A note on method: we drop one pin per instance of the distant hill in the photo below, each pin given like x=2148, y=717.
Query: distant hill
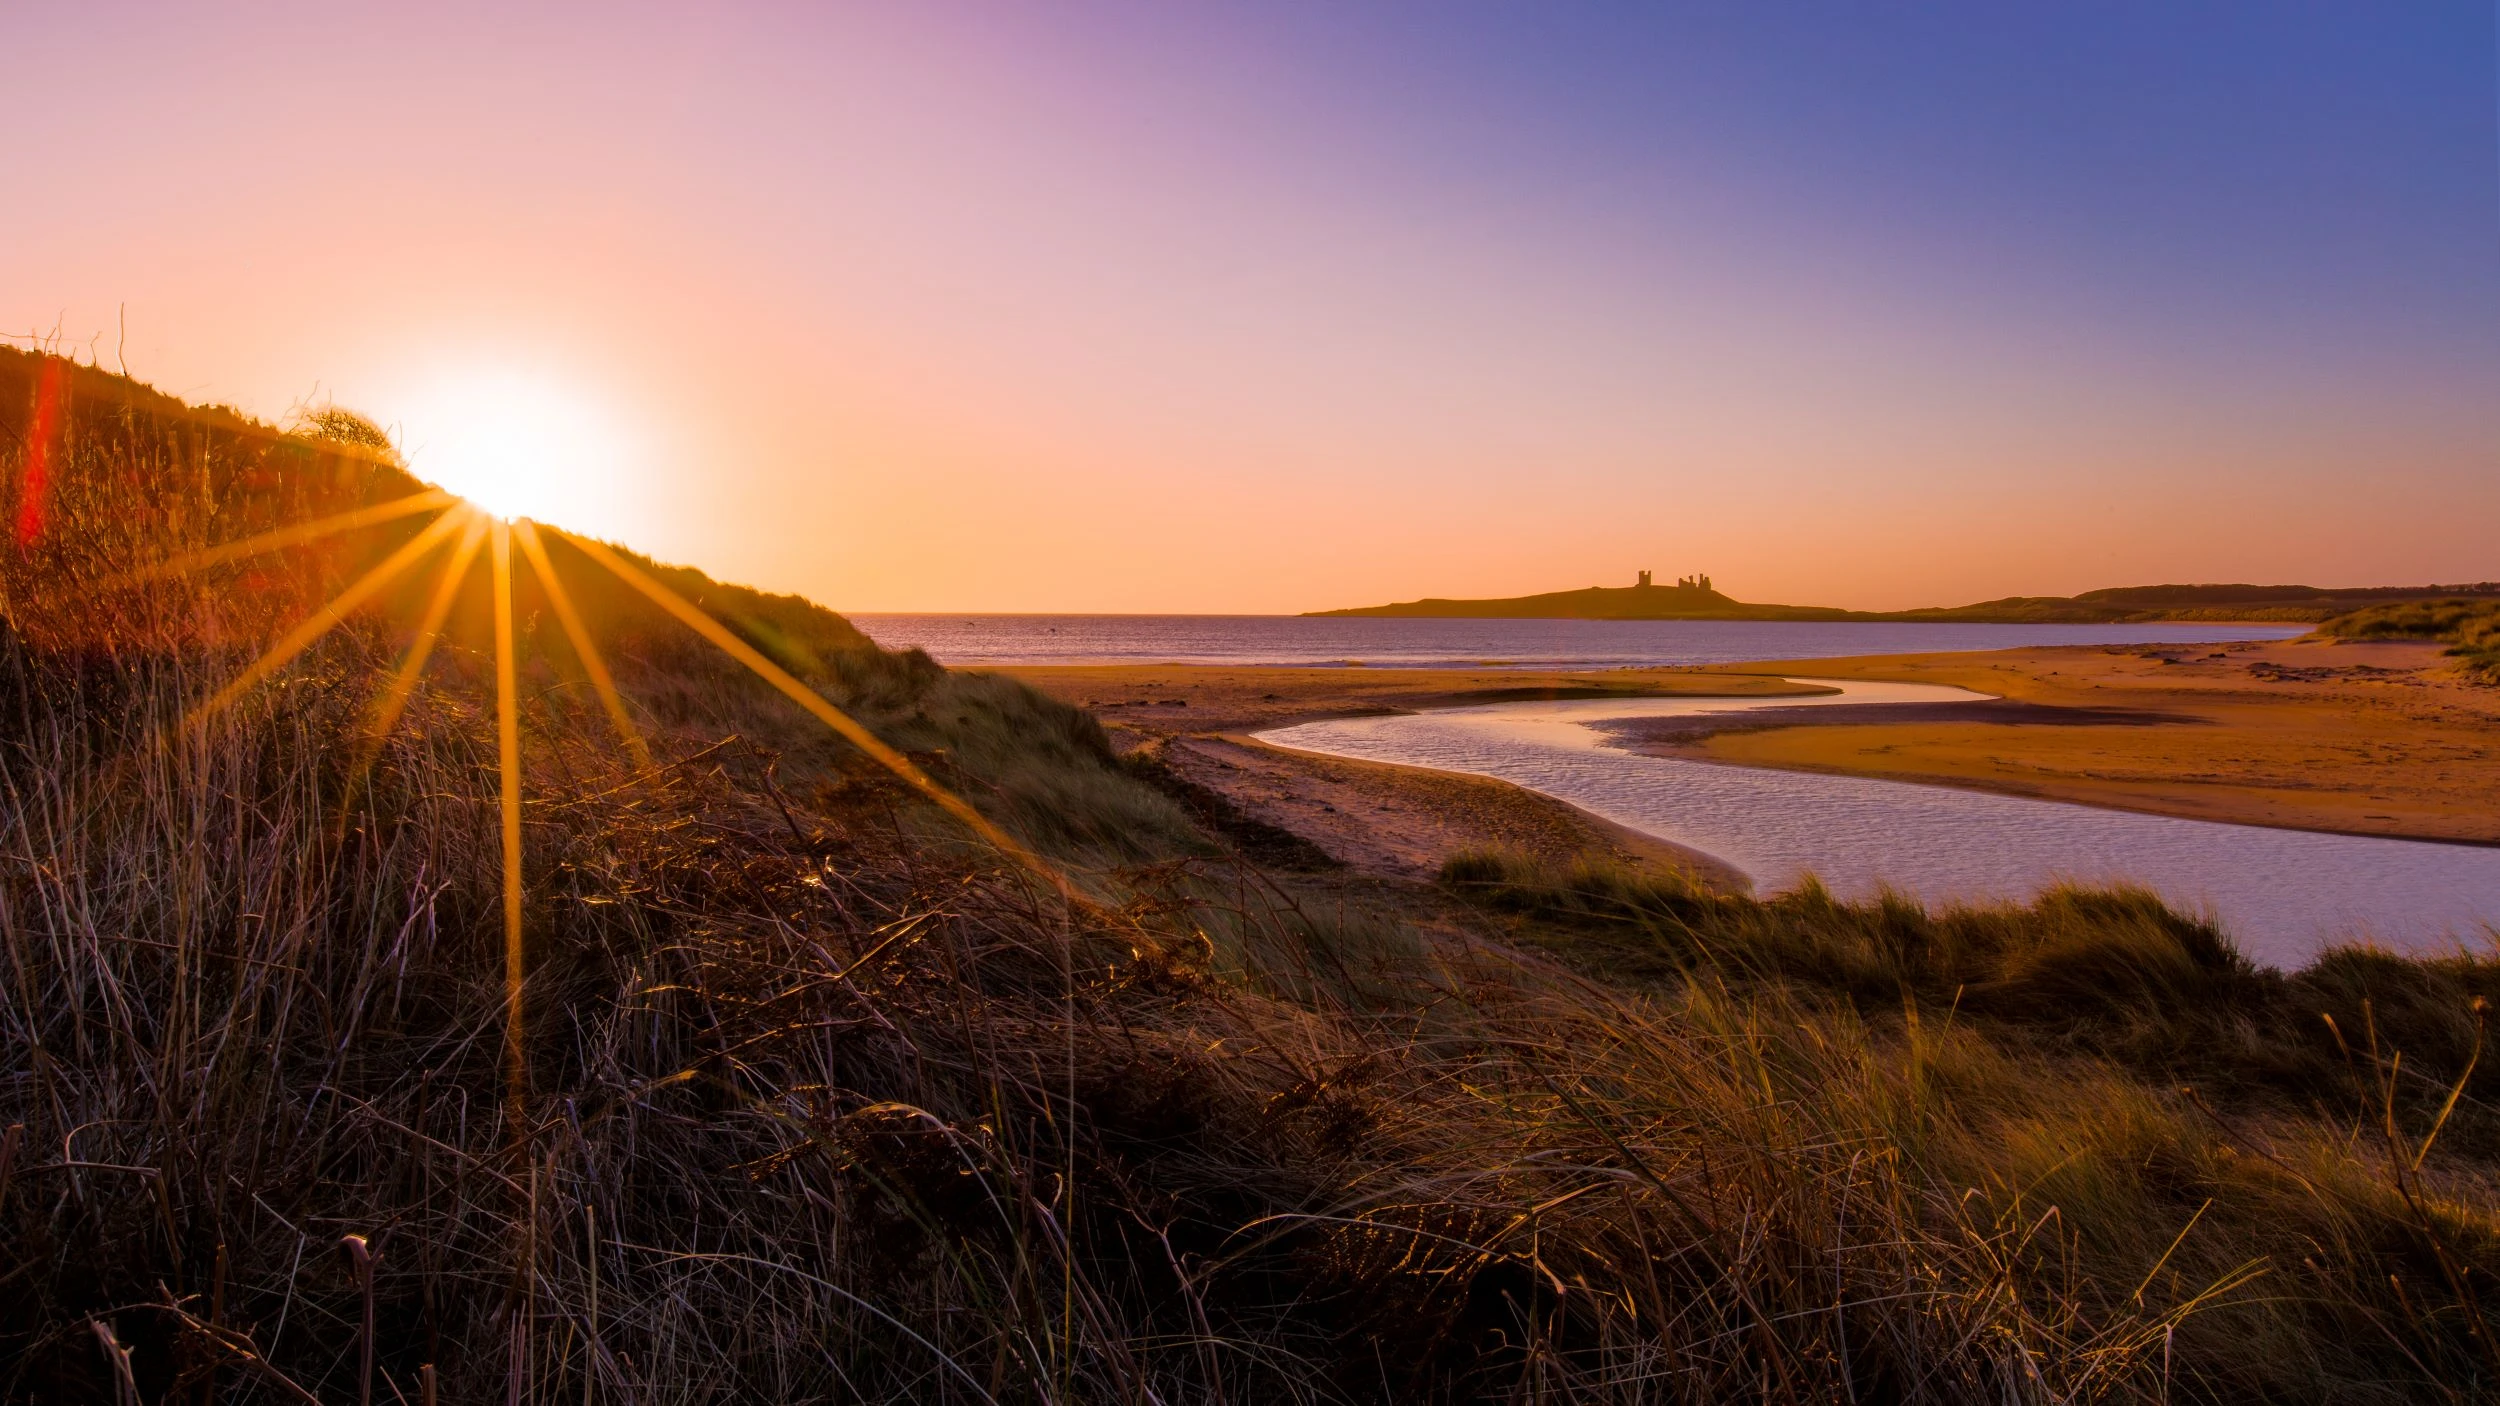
x=2290, y=604
x=1643, y=602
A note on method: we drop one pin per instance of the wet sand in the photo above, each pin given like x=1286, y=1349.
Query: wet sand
x=1667, y=736
x=1164, y=699
x=1386, y=821
x=2376, y=738
x=2368, y=738
x=1403, y=821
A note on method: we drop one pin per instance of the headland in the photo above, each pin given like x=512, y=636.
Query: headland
x=1694, y=598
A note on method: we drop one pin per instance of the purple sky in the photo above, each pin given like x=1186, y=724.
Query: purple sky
x=1110, y=307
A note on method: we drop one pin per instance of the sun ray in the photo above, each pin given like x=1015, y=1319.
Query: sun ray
x=583, y=647
x=297, y=535
x=515, y=1045
x=393, y=699
x=827, y=713
x=508, y=766
x=322, y=621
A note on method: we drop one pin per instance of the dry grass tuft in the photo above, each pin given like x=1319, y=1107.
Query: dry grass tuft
x=2471, y=629
x=826, y=1103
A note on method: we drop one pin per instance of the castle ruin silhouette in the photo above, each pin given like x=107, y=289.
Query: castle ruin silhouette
x=1699, y=582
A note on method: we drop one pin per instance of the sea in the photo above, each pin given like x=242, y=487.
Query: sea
x=977, y=640
x=2281, y=894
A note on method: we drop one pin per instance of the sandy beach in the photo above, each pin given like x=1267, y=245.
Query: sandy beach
x=1390, y=822
x=2376, y=739
x=1162, y=699
x=1402, y=822
x=2368, y=739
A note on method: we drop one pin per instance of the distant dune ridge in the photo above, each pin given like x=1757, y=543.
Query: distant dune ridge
x=1693, y=598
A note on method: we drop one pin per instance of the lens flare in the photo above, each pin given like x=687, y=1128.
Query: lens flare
x=328, y=617
x=294, y=536
x=508, y=769
x=833, y=717
x=497, y=522
x=34, y=484
x=387, y=707
x=584, y=649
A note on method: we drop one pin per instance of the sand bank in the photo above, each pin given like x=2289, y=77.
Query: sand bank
x=2378, y=739
x=1386, y=821
x=2370, y=739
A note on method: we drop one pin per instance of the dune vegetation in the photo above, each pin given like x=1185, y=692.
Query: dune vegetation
x=799, y=1088
x=2470, y=628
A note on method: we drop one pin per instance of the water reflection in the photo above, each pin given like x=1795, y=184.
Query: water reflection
x=2280, y=893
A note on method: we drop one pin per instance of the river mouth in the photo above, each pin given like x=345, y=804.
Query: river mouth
x=2282, y=895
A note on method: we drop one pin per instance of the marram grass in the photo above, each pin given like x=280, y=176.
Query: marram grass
x=826, y=1101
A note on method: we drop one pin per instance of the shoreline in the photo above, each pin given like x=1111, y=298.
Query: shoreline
x=2376, y=740
x=1171, y=699
x=2365, y=740
x=1381, y=820
x=1384, y=820
x=1693, y=750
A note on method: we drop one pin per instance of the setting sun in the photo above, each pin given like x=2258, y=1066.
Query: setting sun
x=519, y=444
x=1119, y=703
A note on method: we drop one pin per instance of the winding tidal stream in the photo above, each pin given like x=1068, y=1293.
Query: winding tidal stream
x=2281, y=894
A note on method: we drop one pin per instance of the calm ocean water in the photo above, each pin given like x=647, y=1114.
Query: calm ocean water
x=1414, y=644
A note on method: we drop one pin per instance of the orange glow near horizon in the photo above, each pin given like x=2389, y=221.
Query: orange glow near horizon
x=944, y=310
x=497, y=532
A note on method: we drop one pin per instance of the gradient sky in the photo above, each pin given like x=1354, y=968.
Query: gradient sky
x=1294, y=305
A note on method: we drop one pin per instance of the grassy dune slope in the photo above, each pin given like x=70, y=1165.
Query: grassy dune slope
x=2470, y=628
x=825, y=1101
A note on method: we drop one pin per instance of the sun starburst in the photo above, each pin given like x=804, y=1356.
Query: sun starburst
x=300, y=534
x=333, y=614
x=473, y=530
x=384, y=713
x=584, y=648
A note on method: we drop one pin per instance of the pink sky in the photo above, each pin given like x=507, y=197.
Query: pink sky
x=980, y=313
